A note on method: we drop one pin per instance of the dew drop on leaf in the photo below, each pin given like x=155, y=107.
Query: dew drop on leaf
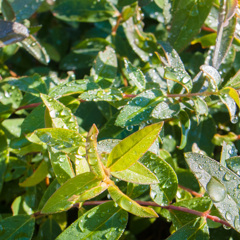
x=234, y=119
x=228, y=216
x=80, y=224
x=45, y=137
x=216, y=190
x=227, y=177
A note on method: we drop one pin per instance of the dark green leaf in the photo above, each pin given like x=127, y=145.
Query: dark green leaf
x=84, y=11
x=3, y=157
x=17, y=227
x=187, y=19
x=61, y=199
x=163, y=192
x=102, y=222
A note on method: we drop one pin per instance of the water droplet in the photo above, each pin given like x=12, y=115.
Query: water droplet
x=45, y=137
x=81, y=225
x=228, y=216
x=91, y=214
x=153, y=194
x=231, y=151
x=200, y=166
x=236, y=223
x=115, y=204
x=129, y=128
x=226, y=227
x=216, y=190
x=227, y=177
x=234, y=119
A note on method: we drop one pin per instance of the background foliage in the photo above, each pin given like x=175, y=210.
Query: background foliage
x=119, y=119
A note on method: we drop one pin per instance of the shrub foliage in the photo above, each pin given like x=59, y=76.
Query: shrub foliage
x=119, y=119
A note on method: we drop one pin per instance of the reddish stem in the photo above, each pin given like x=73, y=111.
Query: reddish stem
x=33, y=105
x=191, y=191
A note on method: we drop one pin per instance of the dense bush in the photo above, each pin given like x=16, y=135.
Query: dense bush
x=119, y=119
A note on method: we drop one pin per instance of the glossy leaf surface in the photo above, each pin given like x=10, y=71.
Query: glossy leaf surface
x=101, y=222
x=61, y=199
x=220, y=183
x=129, y=205
x=129, y=150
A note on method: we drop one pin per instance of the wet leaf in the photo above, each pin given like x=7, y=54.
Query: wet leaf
x=101, y=222
x=58, y=138
x=231, y=106
x=105, y=66
x=32, y=46
x=17, y=227
x=93, y=157
x=166, y=109
x=185, y=127
x=33, y=84
x=134, y=75
x=232, y=93
x=129, y=150
x=213, y=77
x=107, y=94
x=24, y=9
x=39, y=175
x=196, y=229
x=84, y=11
x=137, y=173
x=233, y=163
x=73, y=87
x=60, y=115
x=163, y=192
x=61, y=199
x=129, y=205
x=61, y=164
x=187, y=19
x=139, y=108
x=221, y=184
x=175, y=72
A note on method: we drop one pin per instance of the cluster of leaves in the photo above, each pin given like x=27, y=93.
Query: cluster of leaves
x=110, y=111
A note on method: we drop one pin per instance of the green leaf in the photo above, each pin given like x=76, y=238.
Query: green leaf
x=84, y=11
x=101, y=222
x=32, y=46
x=213, y=77
x=163, y=192
x=201, y=107
x=139, y=108
x=73, y=87
x=33, y=84
x=180, y=218
x=221, y=184
x=233, y=164
x=38, y=175
x=60, y=115
x=60, y=139
x=187, y=19
x=137, y=173
x=61, y=199
x=129, y=150
x=105, y=66
x=234, y=81
x=232, y=93
x=61, y=164
x=17, y=227
x=4, y=155
x=134, y=75
x=92, y=153
x=185, y=127
x=48, y=193
x=91, y=193
x=231, y=106
x=129, y=205
x=24, y=9
x=223, y=45
x=49, y=230
x=196, y=229
x=206, y=41
x=34, y=120
x=228, y=150
x=107, y=94
x=175, y=72
x=166, y=109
